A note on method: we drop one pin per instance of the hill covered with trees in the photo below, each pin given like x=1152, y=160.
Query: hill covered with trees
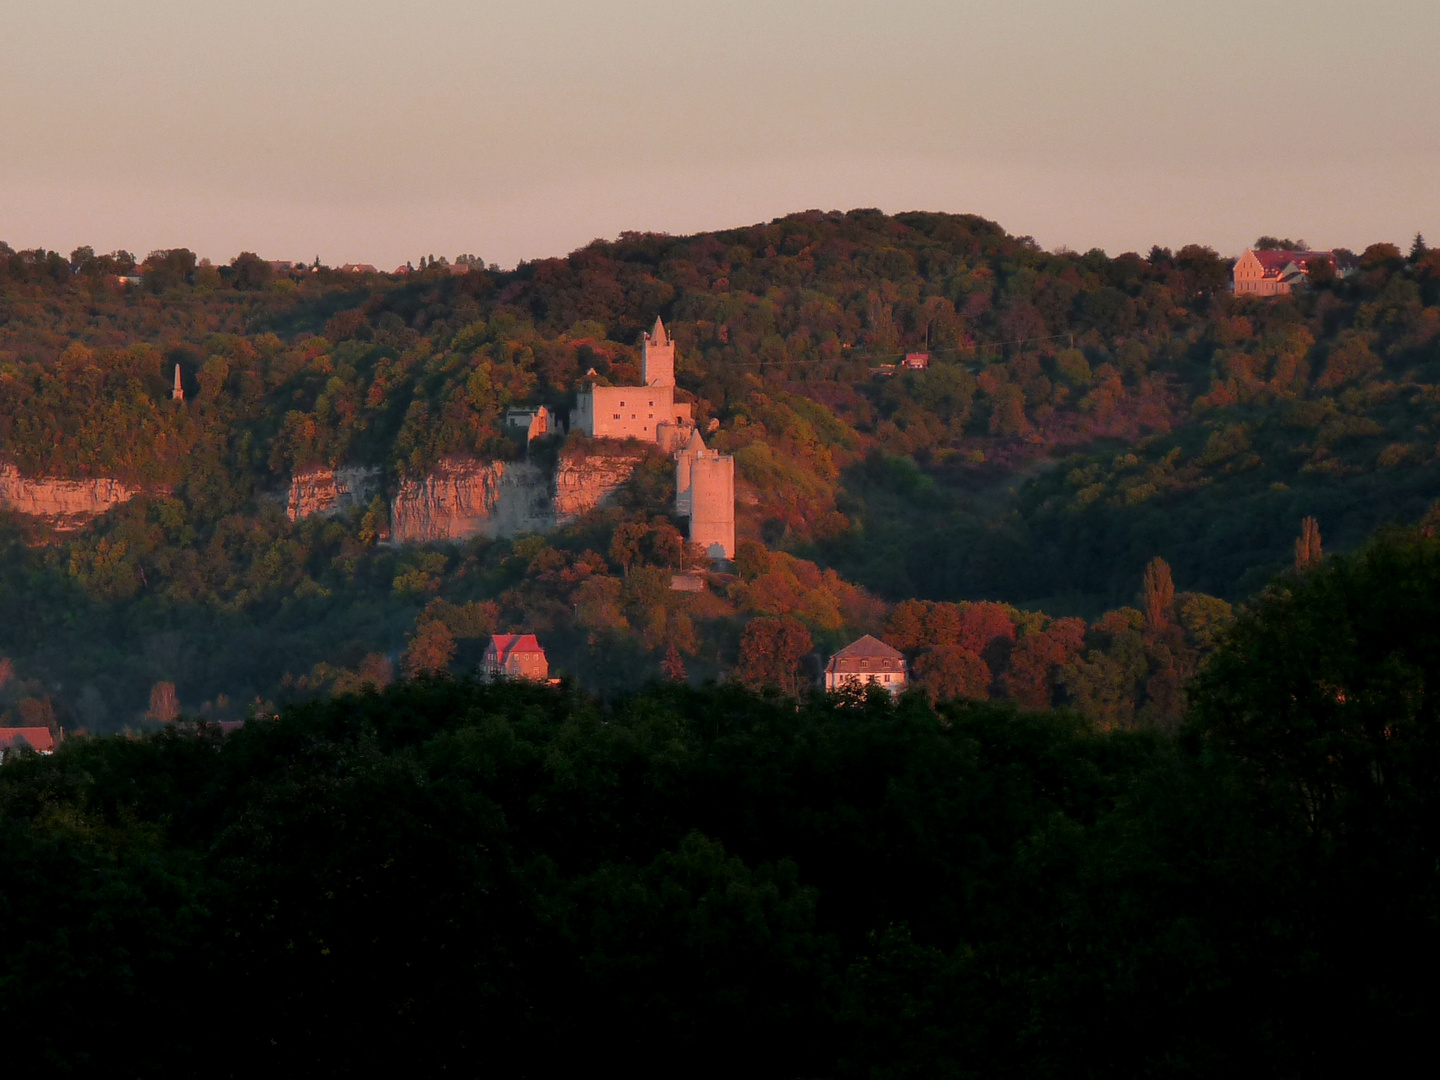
x=537, y=879
x=1080, y=416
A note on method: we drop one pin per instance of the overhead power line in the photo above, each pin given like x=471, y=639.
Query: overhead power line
x=867, y=355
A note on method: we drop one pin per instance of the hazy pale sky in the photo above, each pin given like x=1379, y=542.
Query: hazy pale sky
x=379, y=131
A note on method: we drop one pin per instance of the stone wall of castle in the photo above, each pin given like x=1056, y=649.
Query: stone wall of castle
x=628, y=412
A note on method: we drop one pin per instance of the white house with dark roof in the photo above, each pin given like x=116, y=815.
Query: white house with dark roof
x=868, y=661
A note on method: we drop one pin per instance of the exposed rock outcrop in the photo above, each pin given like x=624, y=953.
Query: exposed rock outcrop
x=325, y=491
x=462, y=498
x=64, y=505
x=584, y=481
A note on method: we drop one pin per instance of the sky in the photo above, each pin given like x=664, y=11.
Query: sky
x=378, y=131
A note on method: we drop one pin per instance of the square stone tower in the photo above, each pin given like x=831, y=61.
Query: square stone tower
x=657, y=357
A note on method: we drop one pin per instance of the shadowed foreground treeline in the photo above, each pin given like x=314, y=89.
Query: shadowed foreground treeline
x=516, y=879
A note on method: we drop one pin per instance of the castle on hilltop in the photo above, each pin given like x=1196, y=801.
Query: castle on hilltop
x=637, y=412
x=704, y=478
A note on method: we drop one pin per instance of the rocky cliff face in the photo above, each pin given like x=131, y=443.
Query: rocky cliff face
x=326, y=491
x=583, y=482
x=64, y=505
x=462, y=498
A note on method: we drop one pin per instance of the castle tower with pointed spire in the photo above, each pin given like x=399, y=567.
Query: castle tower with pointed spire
x=704, y=478
x=648, y=412
x=177, y=394
x=657, y=357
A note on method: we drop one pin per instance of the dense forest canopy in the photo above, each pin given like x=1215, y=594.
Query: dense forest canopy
x=535, y=879
x=1080, y=416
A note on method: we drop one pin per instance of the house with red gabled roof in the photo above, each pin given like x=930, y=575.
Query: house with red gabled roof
x=866, y=662
x=514, y=656
x=1276, y=273
x=14, y=739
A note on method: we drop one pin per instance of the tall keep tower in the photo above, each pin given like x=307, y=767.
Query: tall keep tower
x=705, y=493
x=657, y=357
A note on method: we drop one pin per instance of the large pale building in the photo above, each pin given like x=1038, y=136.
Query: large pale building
x=867, y=662
x=704, y=478
x=636, y=412
x=1275, y=273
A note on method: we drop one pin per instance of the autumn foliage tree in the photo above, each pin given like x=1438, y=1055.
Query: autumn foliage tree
x=673, y=665
x=1307, y=545
x=431, y=649
x=164, y=704
x=952, y=671
x=771, y=650
x=1158, y=594
x=1037, y=657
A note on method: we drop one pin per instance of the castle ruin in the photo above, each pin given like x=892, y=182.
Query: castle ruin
x=704, y=478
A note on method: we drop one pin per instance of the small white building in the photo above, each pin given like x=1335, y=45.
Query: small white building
x=868, y=661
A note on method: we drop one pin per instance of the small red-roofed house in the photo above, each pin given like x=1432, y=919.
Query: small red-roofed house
x=514, y=656
x=1276, y=273
x=866, y=662
x=916, y=361
x=13, y=739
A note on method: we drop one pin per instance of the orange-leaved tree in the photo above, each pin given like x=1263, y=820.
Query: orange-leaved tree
x=1159, y=594
x=431, y=649
x=1307, y=545
x=952, y=671
x=164, y=704
x=771, y=649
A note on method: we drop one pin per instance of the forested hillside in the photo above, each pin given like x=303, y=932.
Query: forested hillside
x=1080, y=417
x=722, y=882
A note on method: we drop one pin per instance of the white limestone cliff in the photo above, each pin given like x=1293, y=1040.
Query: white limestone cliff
x=64, y=505
x=462, y=498
x=322, y=490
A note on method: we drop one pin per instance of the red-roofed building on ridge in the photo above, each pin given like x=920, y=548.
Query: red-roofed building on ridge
x=13, y=739
x=866, y=662
x=1276, y=273
x=514, y=656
